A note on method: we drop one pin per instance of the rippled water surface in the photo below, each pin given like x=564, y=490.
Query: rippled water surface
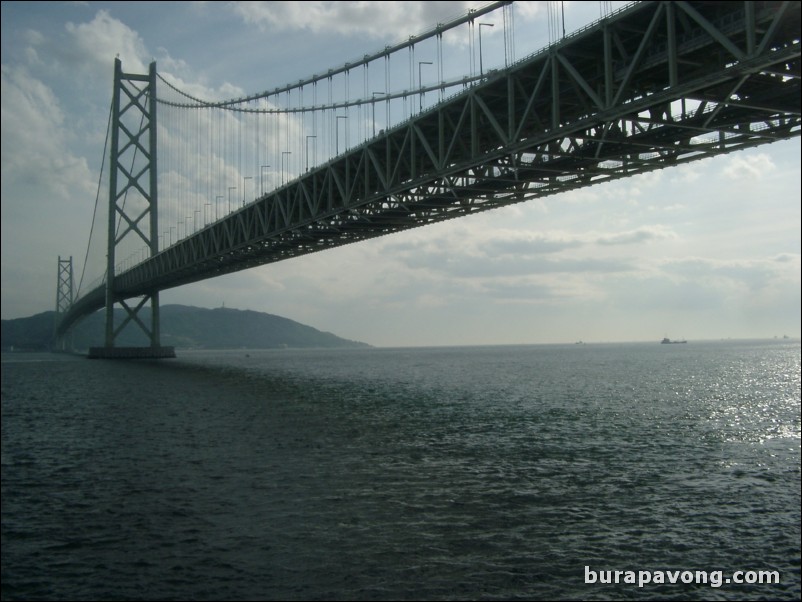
x=439, y=473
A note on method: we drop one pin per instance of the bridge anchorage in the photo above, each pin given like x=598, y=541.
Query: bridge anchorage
x=655, y=85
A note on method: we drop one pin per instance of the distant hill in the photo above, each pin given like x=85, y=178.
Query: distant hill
x=182, y=326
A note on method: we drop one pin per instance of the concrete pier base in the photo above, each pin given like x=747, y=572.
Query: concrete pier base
x=130, y=353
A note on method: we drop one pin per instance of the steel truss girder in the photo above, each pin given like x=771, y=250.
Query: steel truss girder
x=660, y=84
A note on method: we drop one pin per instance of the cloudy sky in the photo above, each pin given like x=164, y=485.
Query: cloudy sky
x=708, y=250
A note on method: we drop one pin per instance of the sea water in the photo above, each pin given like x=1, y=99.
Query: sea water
x=532, y=472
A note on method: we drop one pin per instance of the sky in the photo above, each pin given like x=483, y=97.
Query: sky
x=707, y=250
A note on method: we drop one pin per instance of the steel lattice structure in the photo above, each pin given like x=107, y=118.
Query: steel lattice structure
x=657, y=85
x=65, y=289
x=133, y=196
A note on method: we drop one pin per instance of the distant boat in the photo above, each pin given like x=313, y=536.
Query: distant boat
x=667, y=341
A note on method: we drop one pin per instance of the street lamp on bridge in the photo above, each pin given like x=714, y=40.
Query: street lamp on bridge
x=216, y=205
x=373, y=106
x=481, y=67
x=262, y=178
x=243, y=188
x=420, y=80
x=337, y=133
x=230, y=188
x=307, y=151
x=282, y=164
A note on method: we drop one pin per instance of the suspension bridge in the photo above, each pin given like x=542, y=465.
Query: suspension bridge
x=415, y=134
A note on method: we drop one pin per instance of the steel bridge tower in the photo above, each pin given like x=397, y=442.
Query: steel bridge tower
x=65, y=290
x=133, y=205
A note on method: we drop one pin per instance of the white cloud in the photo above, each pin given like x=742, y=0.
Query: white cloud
x=34, y=37
x=757, y=166
x=35, y=146
x=94, y=45
x=640, y=235
x=375, y=20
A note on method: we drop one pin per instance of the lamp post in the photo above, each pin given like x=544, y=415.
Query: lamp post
x=307, y=151
x=337, y=133
x=206, y=218
x=230, y=188
x=373, y=106
x=420, y=81
x=216, y=205
x=243, y=188
x=195, y=220
x=282, y=164
x=262, y=177
x=481, y=67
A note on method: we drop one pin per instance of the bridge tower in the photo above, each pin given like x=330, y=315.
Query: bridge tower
x=133, y=205
x=64, y=295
